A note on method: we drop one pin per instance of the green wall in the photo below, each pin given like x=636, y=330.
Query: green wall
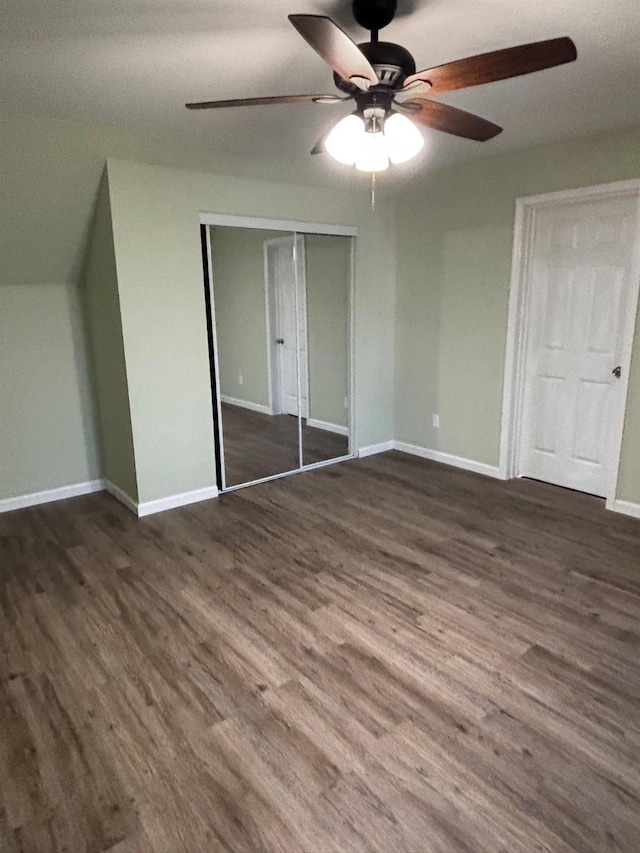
x=49, y=174
x=155, y=214
x=47, y=430
x=454, y=244
x=102, y=307
x=328, y=269
x=237, y=260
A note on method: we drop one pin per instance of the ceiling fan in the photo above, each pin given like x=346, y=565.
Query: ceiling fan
x=381, y=78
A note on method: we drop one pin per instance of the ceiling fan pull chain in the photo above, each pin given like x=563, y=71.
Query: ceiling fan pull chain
x=373, y=174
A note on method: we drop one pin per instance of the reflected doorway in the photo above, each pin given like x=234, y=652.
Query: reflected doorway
x=287, y=320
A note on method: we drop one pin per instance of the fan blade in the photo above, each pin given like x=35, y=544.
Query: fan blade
x=276, y=99
x=498, y=65
x=452, y=120
x=335, y=47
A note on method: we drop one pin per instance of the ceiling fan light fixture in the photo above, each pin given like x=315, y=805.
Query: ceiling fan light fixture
x=345, y=140
x=372, y=154
x=371, y=142
x=379, y=75
x=403, y=138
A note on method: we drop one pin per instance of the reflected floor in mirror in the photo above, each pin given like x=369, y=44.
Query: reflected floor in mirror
x=258, y=445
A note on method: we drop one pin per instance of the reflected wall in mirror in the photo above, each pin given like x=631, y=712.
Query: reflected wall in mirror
x=327, y=272
x=256, y=352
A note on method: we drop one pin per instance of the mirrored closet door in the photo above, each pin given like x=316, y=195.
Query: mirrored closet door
x=279, y=318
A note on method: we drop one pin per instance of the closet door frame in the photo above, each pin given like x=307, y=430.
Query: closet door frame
x=297, y=228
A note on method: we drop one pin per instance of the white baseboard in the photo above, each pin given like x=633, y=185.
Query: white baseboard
x=327, y=427
x=123, y=497
x=372, y=449
x=162, y=504
x=174, y=501
x=246, y=404
x=59, y=494
x=449, y=459
x=624, y=507
x=77, y=489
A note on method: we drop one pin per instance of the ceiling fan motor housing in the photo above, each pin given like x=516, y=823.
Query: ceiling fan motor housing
x=391, y=62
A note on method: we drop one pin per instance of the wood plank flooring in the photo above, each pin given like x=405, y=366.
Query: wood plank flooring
x=258, y=445
x=383, y=655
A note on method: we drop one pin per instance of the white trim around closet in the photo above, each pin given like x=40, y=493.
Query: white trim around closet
x=261, y=224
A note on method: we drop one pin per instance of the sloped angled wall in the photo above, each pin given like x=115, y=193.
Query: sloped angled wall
x=102, y=302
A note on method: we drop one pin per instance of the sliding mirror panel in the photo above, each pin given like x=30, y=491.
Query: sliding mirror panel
x=325, y=380
x=255, y=305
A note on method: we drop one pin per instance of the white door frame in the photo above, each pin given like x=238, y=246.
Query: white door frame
x=518, y=322
x=274, y=362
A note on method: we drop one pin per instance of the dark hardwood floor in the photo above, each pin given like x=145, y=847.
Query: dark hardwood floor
x=258, y=445
x=383, y=655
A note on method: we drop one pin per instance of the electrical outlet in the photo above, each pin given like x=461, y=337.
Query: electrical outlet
x=240, y=380
x=435, y=421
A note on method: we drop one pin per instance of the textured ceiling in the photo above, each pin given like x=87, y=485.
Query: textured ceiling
x=134, y=63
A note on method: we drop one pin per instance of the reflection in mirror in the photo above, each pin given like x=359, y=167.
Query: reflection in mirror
x=327, y=273
x=254, y=301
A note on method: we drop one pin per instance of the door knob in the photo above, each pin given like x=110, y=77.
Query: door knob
x=617, y=371
x=279, y=340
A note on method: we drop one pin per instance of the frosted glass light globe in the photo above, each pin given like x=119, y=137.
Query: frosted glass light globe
x=345, y=140
x=373, y=155
x=404, y=140
x=349, y=142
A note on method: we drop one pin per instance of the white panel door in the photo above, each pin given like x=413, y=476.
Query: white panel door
x=292, y=346
x=580, y=295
